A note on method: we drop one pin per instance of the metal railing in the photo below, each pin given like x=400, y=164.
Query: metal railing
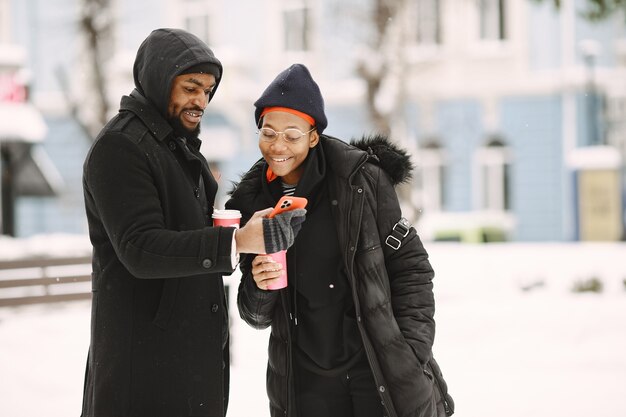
x=44, y=280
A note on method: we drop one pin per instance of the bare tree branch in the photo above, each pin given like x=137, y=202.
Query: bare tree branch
x=373, y=67
x=89, y=107
x=72, y=105
x=96, y=25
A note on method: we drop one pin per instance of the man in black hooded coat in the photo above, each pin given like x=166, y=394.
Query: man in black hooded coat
x=159, y=330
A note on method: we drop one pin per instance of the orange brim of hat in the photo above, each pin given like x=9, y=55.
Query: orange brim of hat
x=300, y=114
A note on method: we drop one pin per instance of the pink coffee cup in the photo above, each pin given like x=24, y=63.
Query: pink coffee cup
x=226, y=218
x=281, y=281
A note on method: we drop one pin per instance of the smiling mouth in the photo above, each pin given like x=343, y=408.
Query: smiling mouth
x=193, y=113
x=281, y=159
x=192, y=117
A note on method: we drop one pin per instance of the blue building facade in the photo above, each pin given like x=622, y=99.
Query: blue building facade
x=491, y=117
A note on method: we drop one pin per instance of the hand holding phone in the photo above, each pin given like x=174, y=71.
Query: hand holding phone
x=288, y=202
x=283, y=223
x=287, y=228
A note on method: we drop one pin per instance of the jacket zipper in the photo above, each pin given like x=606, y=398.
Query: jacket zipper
x=387, y=403
x=286, y=304
x=431, y=373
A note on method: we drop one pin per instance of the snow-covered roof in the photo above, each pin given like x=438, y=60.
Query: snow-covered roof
x=595, y=157
x=37, y=175
x=12, y=55
x=22, y=129
x=21, y=122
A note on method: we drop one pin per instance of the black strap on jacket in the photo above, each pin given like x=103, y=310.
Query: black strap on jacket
x=399, y=231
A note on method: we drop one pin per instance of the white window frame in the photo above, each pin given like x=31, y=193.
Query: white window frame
x=424, y=10
x=497, y=26
x=4, y=21
x=194, y=11
x=432, y=166
x=495, y=46
x=616, y=119
x=490, y=182
x=304, y=32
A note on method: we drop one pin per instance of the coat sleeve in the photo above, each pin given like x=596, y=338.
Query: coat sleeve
x=123, y=200
x=256, y=306
x=410, y=275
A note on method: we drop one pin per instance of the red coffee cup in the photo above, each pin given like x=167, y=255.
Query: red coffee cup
x=226, y=218
x=281, y=281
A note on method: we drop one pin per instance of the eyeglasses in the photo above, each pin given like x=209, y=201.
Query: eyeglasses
x=291, y=135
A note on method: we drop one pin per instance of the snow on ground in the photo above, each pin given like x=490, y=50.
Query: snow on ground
x=505, y=351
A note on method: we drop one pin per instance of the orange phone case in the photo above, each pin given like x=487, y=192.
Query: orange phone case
x=288, y=202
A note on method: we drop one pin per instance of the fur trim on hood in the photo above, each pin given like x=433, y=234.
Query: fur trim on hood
x=391, y=158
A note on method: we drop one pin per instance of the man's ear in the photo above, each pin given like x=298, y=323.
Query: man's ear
x=315, y=138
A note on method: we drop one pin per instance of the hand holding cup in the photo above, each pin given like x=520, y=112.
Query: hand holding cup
x=269, y=271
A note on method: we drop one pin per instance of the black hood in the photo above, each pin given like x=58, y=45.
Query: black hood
x=165, y=54
x=391, y=158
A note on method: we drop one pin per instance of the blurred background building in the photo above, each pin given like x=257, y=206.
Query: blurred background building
x=25, y=168
x=514, y=110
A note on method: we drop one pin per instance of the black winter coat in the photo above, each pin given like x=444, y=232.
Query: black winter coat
x=159, y=321
x=391, y=289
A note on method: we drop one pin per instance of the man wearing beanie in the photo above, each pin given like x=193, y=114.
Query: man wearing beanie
x=352, y=333
x=159, y=324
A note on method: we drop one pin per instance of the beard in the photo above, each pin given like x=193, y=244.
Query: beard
x=181, y=130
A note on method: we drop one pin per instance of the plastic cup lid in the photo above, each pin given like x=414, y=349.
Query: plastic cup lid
x=226, y=214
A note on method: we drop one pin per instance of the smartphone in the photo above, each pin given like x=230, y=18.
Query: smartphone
x=288, y=202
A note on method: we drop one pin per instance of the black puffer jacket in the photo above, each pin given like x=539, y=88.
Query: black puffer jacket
x=391, y=289
x=158, y=327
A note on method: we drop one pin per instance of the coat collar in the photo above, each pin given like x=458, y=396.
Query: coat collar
x=144, y=110
x=341, y=156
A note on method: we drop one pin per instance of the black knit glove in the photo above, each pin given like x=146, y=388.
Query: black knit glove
x=280, y=231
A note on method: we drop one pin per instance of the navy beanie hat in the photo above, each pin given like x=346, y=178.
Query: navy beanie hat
x=294, y=88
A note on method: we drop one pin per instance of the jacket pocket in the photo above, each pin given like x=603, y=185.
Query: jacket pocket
x=429, y=408
x=367, y=250
x=444, y=401
x=166, y=304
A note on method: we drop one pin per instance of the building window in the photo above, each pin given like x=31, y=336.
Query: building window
x=4, y=21
x=615, y=118
x=432, y=179
x=196, y=19
x=493, y=176
x=199, y=26
x=427, y=22
x=297, y=26
x=492, y=22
